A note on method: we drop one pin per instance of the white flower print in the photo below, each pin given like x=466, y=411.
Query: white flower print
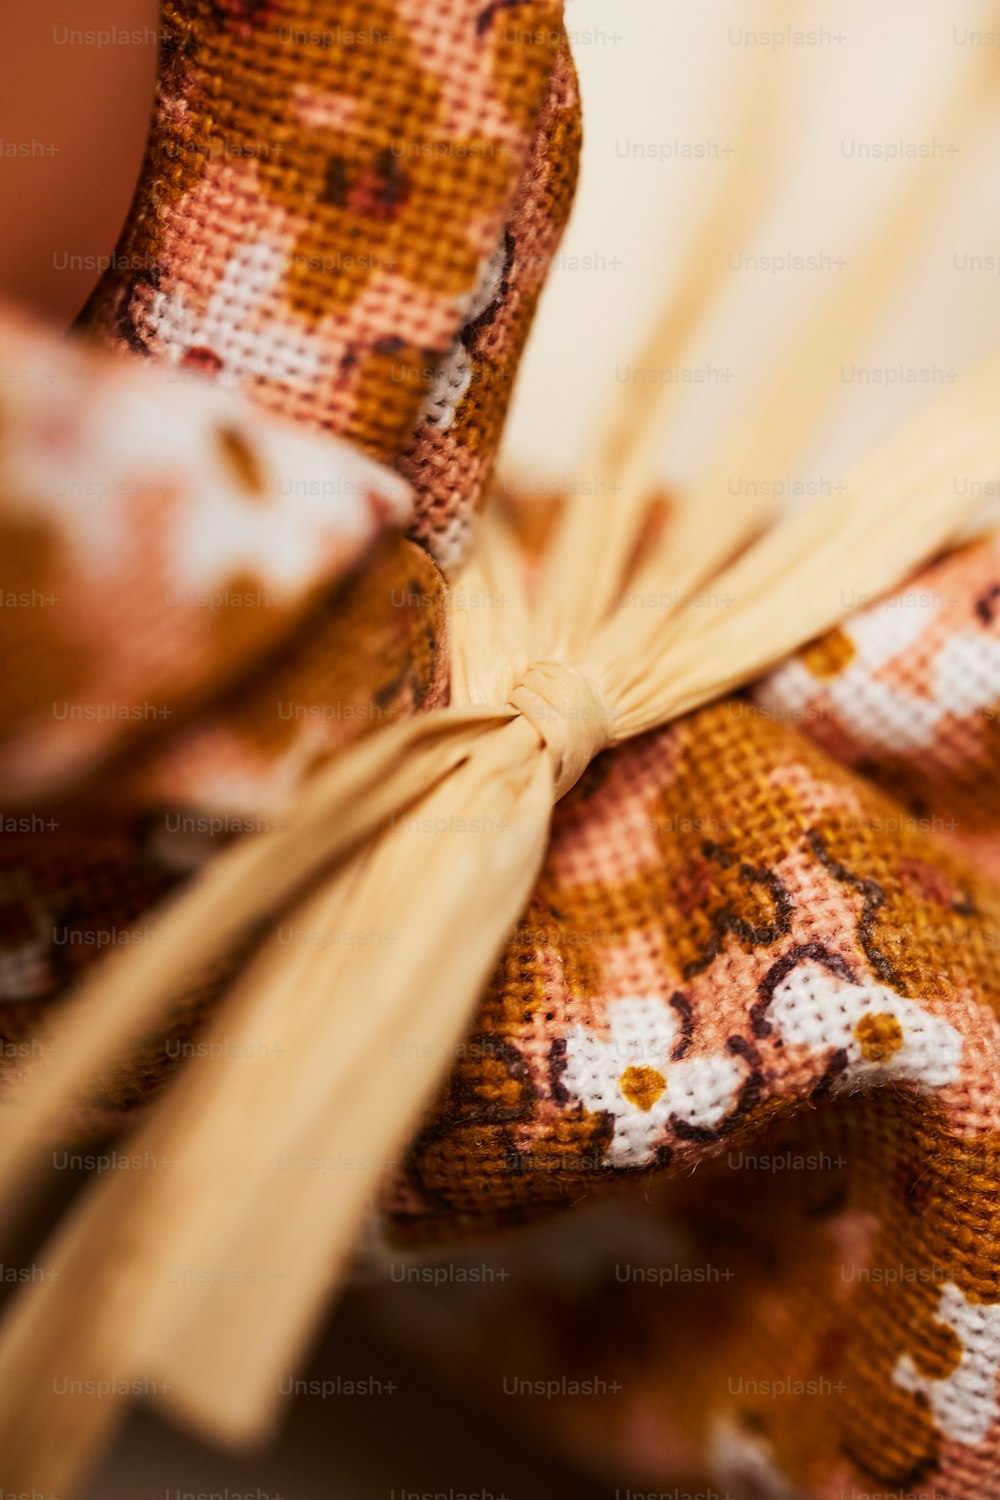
x=454, y=374
x=250, y=347
x=882, y=1034
x=964, y=1403
x=963, y=680
x=631, y=1074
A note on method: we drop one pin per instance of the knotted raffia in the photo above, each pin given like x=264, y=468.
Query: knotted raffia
x=573, y=721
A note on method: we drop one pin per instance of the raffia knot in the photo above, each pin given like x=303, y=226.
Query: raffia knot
x=570, y=715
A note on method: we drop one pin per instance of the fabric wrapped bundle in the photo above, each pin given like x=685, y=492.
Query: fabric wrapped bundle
x=506, y=859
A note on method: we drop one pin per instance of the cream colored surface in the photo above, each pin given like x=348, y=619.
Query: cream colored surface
x=669, y=78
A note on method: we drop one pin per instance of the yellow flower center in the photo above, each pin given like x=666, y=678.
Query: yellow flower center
x=878, y=1037
x=642, y=1086
x=830, y=655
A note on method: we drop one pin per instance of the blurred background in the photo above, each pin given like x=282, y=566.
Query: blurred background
x=856, y=102
x=76, y=95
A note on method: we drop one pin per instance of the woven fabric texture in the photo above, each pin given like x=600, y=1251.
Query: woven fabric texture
x=158, y=540
x=906, y=693
x=324, y=194
x=769, y=991
x=324, y=191
x=450, y=461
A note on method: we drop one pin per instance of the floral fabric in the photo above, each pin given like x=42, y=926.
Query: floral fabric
x=751, y=1013
x=767, y=992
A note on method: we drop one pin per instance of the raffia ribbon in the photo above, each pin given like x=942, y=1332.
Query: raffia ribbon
x=361, y=852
